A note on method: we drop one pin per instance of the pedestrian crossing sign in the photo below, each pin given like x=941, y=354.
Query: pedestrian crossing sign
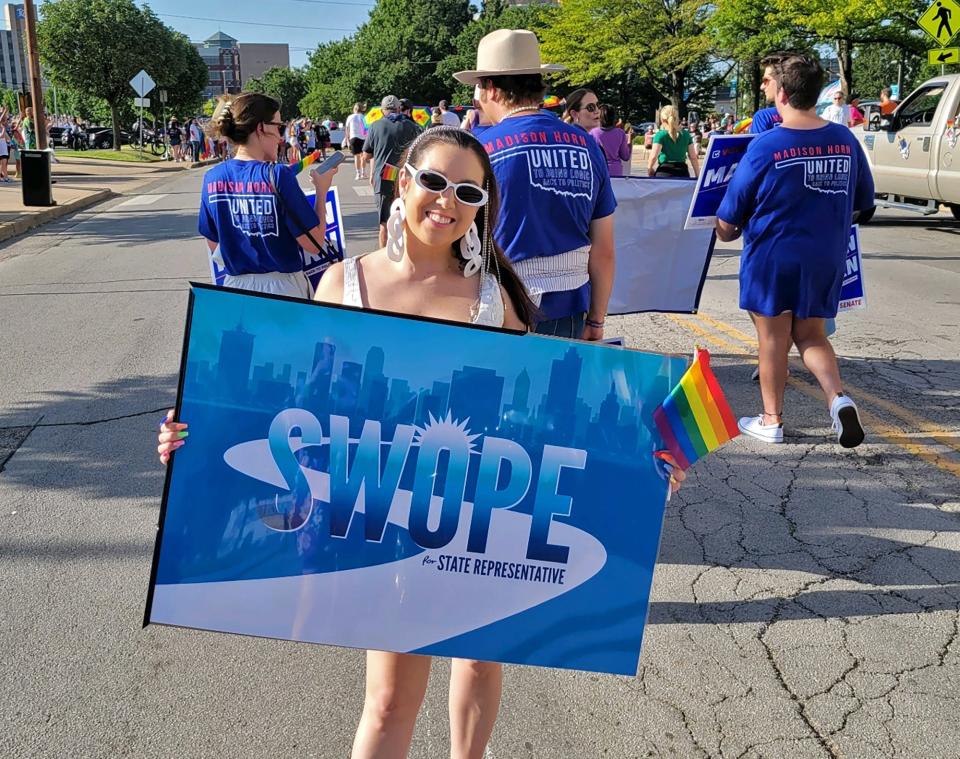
x=941, y=20
x=942, y=55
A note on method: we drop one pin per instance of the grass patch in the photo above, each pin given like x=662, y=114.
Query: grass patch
x=112, y=155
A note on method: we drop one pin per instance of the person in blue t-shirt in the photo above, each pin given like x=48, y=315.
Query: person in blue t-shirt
x=253, y=210
x=793, y=197
x=764, y=120
x=557, y=203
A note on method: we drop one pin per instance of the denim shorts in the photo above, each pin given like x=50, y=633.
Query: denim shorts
x=569, y=326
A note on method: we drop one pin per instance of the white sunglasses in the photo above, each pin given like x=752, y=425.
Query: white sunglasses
x=433, y=181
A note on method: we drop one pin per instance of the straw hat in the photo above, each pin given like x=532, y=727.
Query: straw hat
x=507, y=52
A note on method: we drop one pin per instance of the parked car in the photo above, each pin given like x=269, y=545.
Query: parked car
x=101, y=138
x=913, y=152
x=59, y=137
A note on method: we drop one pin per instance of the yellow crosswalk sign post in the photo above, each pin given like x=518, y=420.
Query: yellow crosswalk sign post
x=943, y=55
x=941, y=20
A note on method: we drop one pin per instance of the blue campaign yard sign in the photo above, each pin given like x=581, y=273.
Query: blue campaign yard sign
x=723, y=155
x=852, y=293
x=314, y=265
x=375, y=481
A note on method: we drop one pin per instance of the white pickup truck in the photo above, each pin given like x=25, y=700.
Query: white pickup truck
x=913, y=152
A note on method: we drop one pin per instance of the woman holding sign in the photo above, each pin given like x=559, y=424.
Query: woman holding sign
x=440, y=262
x=793, y=197
x=253, y=214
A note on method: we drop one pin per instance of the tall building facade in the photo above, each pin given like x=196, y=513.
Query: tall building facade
x=230, y=64
x=257, y=57
x=13, y=49
x=221, y=53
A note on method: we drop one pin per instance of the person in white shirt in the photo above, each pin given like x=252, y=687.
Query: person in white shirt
x=449, y=117
x=838, y=112
x=354, y=132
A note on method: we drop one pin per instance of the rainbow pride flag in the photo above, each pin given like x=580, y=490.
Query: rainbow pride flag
x=300, y=165
x=695, y=418
x=743, y=126
x=390, y=173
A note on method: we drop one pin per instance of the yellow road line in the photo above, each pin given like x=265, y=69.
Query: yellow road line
x=943, y=436
x=893, y=435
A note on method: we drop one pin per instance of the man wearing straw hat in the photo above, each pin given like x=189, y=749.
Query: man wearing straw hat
x=556, y=202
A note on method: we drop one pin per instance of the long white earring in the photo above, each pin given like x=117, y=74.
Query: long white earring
x=395, y=230
x=470, y=249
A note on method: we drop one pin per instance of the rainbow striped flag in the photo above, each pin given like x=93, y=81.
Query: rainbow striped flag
x=300, y=165
x=390, y=173
x=695, y=418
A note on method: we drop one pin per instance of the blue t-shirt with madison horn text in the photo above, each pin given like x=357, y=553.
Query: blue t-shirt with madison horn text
x=239, y=210
x=553, y=182
x=764, y=120
x=794, y=194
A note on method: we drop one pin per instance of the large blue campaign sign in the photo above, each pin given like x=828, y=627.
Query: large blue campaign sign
x=723, y=154
x=375, y=481
x=314, y=265
x=852, y=294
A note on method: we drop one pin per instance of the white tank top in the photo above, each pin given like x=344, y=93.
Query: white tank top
x=489, y=310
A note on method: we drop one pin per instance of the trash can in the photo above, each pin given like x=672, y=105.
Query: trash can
x=35, y=174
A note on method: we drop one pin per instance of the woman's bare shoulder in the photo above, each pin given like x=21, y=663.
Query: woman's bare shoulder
x=330, y=289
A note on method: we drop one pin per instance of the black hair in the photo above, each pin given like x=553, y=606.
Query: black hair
x=236, y=117
x=608, y=116
x=487, y=215
x=523, y=88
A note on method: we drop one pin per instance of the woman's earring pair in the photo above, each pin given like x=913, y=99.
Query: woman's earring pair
x=470, y=245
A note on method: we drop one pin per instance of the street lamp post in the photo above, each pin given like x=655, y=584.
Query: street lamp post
x=33, y=66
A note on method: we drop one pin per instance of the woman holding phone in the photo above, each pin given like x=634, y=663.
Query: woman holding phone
x=253, y=214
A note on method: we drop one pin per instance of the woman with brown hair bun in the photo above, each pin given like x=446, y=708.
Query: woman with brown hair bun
x=253, y=209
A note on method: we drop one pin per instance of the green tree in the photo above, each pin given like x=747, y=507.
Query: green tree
x=184, y=76
x=879, y=66
x=494, y=16
x=95, y=47
x=396, y=52
x=333, y=81
x=746, y=31
x=847, y=24
x=665, y=41
x=289, y=86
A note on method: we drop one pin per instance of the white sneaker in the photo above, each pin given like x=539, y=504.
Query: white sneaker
x=357, y=176
x=754, y=427
x=846, y=422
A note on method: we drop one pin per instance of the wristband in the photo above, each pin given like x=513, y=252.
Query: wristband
x=592, y=323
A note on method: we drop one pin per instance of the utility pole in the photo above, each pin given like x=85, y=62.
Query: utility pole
x=36, y=83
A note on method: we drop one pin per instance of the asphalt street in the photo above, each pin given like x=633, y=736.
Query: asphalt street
x=805, y=602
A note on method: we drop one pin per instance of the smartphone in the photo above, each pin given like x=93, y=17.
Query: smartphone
x=335, y=160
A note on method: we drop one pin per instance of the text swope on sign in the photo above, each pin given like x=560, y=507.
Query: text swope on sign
x=379, y=480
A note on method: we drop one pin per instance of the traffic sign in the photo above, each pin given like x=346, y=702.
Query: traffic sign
x=941, y=20
x=943, y=55
x=141, y=102
x=142, y=83
x=163, y=96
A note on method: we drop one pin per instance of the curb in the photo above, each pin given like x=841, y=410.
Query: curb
x=18, y=227
x=207, y=162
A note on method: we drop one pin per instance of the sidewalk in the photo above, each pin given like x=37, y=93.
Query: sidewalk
x=78, y=184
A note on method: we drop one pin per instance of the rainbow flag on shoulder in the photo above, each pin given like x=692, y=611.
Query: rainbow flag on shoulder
x=695, y=418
